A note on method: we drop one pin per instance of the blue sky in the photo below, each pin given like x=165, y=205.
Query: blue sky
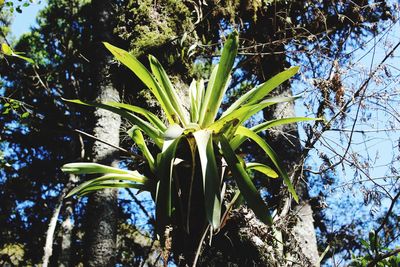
x=22, y=22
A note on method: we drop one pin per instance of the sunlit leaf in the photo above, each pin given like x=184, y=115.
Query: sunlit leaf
x=153, y=119
x=244, y=113
x=268, y=171
x=154, y=133
x=239, y=139
x=214, y=95
x=211, y=178
x=147, y=78
x=258, y=93
x=6, y=49
x=272, y=155
x=136, y=135
x=107, y=177
x=164, y=81
x=243, y=181
x=110, y=184
x=90, y=168
x=164, y=190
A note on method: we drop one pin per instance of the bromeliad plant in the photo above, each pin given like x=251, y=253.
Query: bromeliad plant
x=212, y=140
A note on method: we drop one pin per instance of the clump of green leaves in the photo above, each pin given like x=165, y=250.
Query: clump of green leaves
x=17, y=6
x=212, y=139
x=376, y=254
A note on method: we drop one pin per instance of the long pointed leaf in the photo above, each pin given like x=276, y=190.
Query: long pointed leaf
x=147, y=78
x=243, y=181
x=244, y=113
x=211, y=179
x=214, y=96
x=258, y=93
x=239, y=139
x=110, y=184
x=90, y=168
x=194, y=107
x=272, y=155
x=164, y=81
x=164, y=191
x=107, y=177
x=151, y=117
x=154, y=133
x=204, y=104
x=264, y=169
x=138, y=138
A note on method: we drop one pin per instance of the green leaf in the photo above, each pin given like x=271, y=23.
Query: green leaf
x=268, y=171
x=90, y=168
x=272, y=155
x=194, y=105
x=29, y=60
x=153, y=119
x=164, y=190
x=244, y=113
x=110, y=184
x=165, y=82
x=278, y=122
x=239, y=139
x=6, y=49
x=243, y=181
x=147, y=78
x=137, y=137
x=137, y=177
x=154, y=133
x=25, y=115
x=258, y=93
x=220, y=81
x=211, y=179
x=9, y=52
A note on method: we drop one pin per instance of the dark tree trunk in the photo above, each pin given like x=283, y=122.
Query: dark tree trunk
x=101, y=215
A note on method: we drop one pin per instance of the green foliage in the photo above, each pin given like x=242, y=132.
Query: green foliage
x=213, y=139
x=15, y=6
x=376, y=254
x=12, y=254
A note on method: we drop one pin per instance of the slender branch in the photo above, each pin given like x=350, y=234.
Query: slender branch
x=364, y=131
x=388, y=212
x=109, y=144
x=198, y=251
x=48, y=248
x=132, y=195
x=383, y=256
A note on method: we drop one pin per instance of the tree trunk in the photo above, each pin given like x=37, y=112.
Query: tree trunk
x=101, y=215
x=286, y=142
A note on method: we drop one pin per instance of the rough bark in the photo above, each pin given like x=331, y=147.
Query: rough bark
x=101, y=215
x=66, y=235
x=285, y=140
x=102, y=206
